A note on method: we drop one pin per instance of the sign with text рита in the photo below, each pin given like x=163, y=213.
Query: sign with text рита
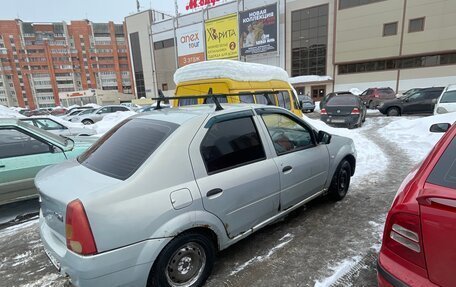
x=222, y=38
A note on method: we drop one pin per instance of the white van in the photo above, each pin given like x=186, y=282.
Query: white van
x=446, y=103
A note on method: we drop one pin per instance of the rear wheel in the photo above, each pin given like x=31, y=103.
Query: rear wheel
x=186, y=261
x=87, y=122
x=340, y=181
x=393, y=112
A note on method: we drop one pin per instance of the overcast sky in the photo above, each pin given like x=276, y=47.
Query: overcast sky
x=94, y=10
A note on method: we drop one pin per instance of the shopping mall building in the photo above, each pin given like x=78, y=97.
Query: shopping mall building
x=400, y=44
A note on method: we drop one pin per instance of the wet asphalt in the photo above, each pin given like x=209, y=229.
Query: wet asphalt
x=308, y=248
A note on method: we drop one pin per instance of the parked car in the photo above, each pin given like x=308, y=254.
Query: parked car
x=375, y=96
x=307, y=104
x=37, y=112
x=330, y=95
x=167, y=233
x=59, y=111
x=418, y=246
x=346, y=110
x=81, y=108
x=152, y=107
x=421, y=102
x=58, y=128
x=26, y=149
x=446, y=103
x=98, y=114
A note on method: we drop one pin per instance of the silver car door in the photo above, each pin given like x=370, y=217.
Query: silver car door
x=237, y=178
x=303, y=164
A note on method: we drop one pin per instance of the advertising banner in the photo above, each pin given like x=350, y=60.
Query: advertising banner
x=188, y=6
x=222, y=38
x=190, y=44
x=258, y=30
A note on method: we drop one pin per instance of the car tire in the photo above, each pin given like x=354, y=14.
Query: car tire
x=312, y=110
x=393, y=112
x=340, y=181
x=174, y=266
x=87, y=122
x=372, y=105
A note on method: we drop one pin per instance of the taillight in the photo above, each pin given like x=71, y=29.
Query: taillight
x=79, y=237
x=355, y=111
x=323, y=112
x=403, y=237
x=376, y=96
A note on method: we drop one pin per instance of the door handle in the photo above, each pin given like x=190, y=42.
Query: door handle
x=287, y=168
x=214, y=191
x=2, y=166
x=429, y=200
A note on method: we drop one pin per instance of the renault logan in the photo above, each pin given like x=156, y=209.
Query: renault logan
x=158, y=195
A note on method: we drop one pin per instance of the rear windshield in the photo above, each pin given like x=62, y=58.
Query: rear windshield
x=449, y=97
x=122, y=150
x=343, y=101
x=444, y=172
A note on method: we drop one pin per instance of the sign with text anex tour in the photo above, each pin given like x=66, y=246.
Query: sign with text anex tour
x=222, y=38
x=190, y=44
x=258, y=30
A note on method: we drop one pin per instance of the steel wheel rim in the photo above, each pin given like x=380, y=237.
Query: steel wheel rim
x=186, y=265
x=343, y=181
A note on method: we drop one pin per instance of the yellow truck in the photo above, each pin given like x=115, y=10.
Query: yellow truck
x=236, y=82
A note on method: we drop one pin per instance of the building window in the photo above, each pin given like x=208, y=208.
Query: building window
x=309, y=41
x=164, y=44
x=432, y=60
x=353, y=3
x=416, y=25
x=389, y=29
x=164, y=87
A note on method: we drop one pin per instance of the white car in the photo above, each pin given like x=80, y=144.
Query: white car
x=446, y=103
x=99, y=114
x=59, y=127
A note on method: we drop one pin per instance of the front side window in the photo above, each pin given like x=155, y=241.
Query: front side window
x=104, y=110
x=47, y=124
x=16, y=143
x=417, y=96
x=287, y=135
x=444, y=172
x=230, y=144
x=122, y=150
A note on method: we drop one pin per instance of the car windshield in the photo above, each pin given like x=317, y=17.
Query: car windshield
x=449, y=97
x=343, y=101
x=64, y=141
x=117, y=156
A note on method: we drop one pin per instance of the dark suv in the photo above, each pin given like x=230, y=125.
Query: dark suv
x=374, y=96
x=420, y=102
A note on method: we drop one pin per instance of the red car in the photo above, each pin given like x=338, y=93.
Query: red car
x=419, y=240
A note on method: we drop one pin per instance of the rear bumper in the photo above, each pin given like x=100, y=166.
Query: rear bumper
x=125, y=266
x=348, y=120
x=394, y=271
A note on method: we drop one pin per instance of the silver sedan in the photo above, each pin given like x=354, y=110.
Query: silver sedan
x=156, y=197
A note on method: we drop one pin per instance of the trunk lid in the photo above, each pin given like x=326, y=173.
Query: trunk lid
x=60, y=184
x=339, y=110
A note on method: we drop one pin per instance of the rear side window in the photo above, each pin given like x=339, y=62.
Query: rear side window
x=188, y=102
x=246, y=99
x=284, y=100
x=444, y=172
x=263, y=99
x=230, y=144
x=121, y=151
x=449, y=97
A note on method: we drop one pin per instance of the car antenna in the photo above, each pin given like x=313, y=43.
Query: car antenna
x=218, y=107
x=161, y=97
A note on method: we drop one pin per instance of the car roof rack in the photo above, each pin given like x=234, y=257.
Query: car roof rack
x=210, y=94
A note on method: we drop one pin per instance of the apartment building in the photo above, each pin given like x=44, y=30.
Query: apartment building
x=40, y=60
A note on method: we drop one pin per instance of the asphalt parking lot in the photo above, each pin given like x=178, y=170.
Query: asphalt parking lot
x=322, y=244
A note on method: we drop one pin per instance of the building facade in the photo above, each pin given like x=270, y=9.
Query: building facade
x=40, y=60
x=348, y=44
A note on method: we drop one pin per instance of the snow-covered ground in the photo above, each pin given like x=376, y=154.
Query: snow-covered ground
x=413, y=135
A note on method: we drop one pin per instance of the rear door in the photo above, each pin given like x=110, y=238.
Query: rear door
x=415, y=104
x=22, y=156
x=429, y=100
x=238, y=182
x=438, y=219
x=303, y=165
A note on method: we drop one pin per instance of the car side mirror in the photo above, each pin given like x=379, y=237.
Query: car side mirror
x=323, y=137
x=440, y=128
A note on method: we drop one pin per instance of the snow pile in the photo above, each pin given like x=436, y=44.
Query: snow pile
x=413, y=135
x=338, y=271
x=356, y=91
x=109, y=121
x=235, y=70
x=95, y=106
x=9, y=113
x=370, y=161
x=309, y=79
